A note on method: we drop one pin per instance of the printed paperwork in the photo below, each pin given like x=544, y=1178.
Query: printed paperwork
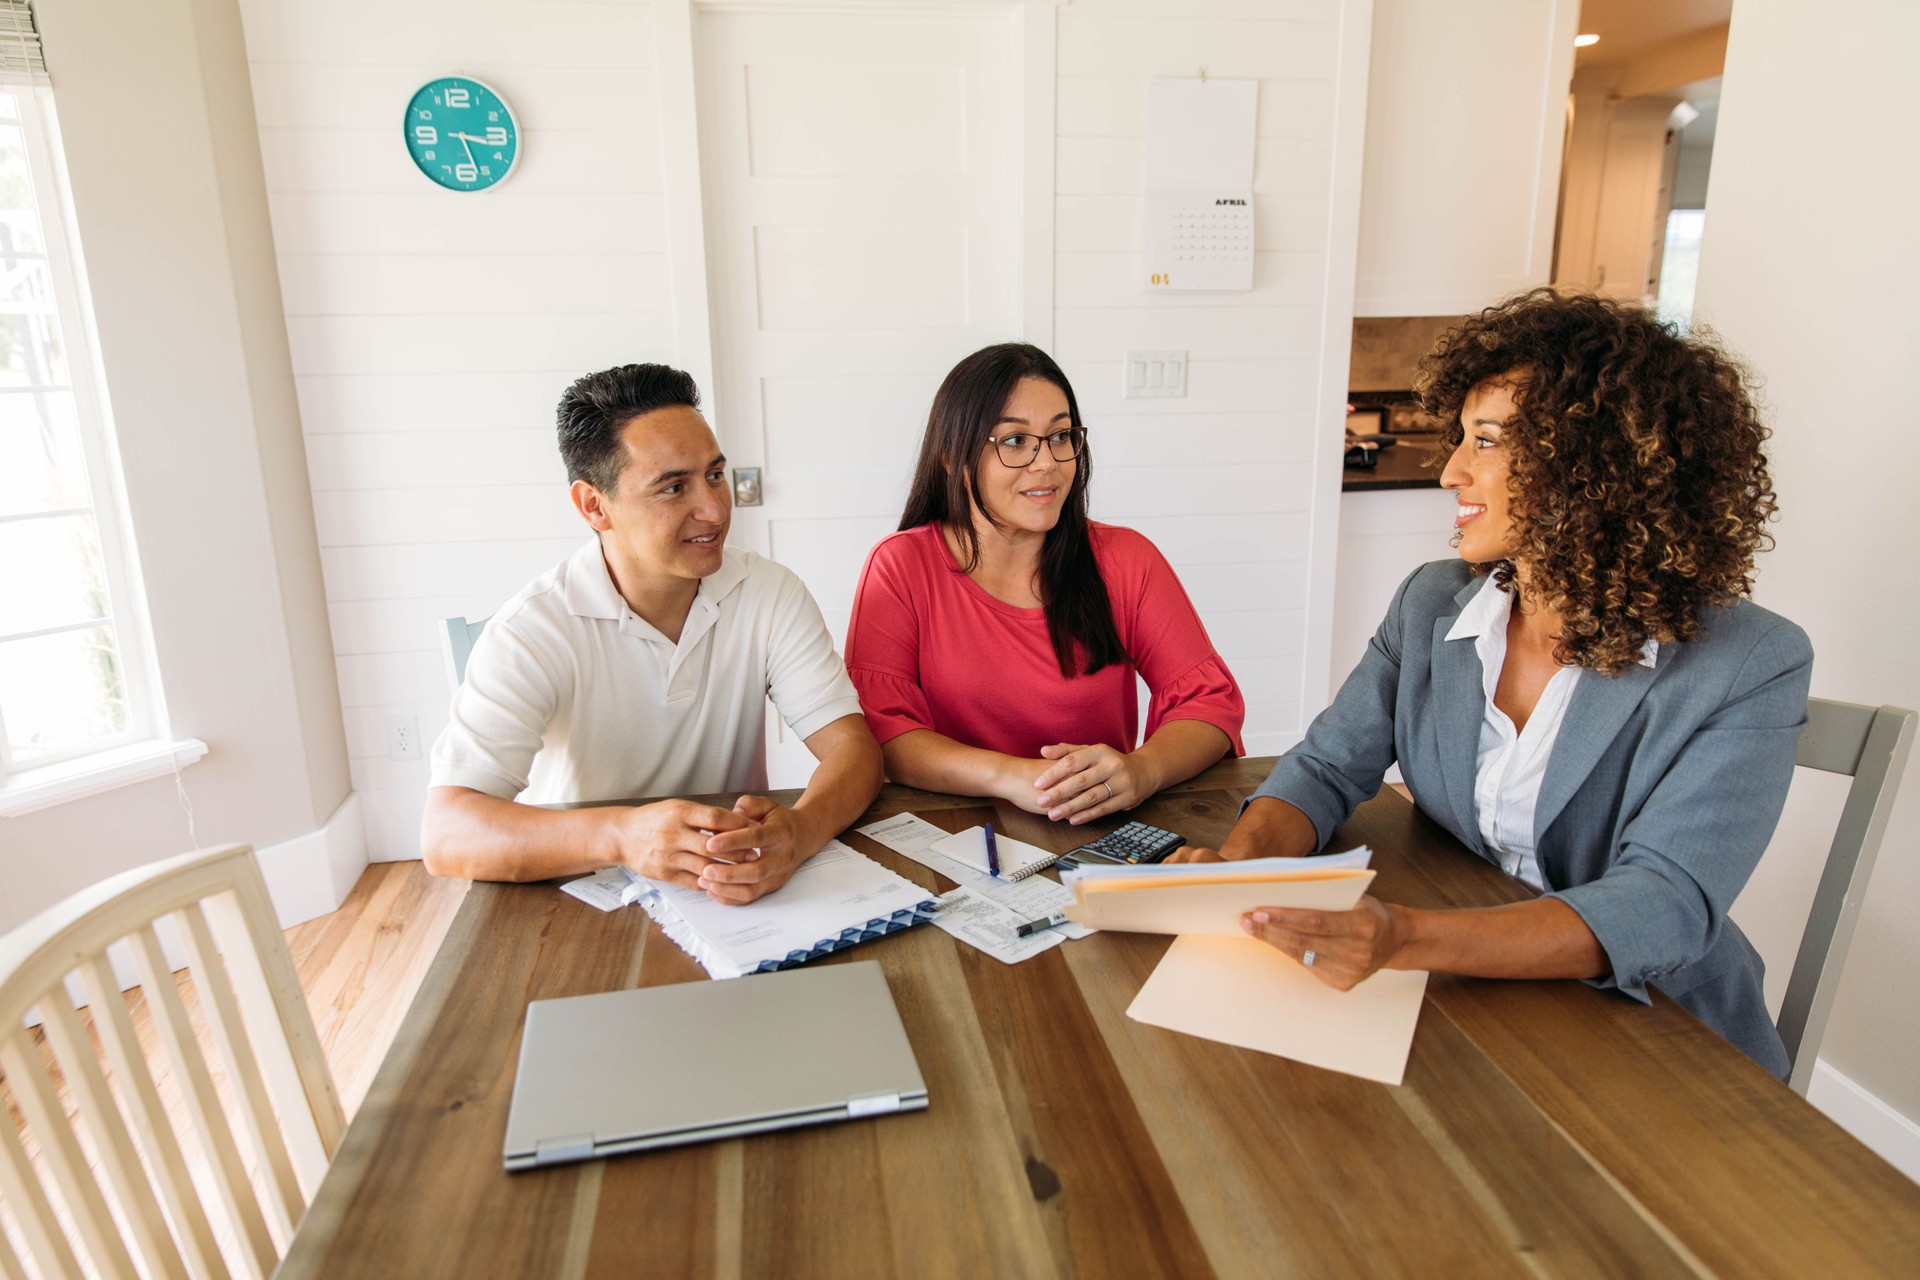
x=969, y=915
x=1241, y=991
x=909, y=834
x=983, y=912
x=1208, y=899
x=837, y=898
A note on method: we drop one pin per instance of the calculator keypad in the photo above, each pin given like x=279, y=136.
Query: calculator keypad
x=1136, y=842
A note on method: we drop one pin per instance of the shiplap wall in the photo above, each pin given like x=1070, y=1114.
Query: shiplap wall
x=432, y=332
x=1220, y=480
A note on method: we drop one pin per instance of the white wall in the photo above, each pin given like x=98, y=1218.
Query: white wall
x=1818, y=295
x=177, y=246
x=1239, y=482
x=432, y=331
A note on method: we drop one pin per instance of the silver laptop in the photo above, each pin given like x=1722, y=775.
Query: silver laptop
x=632, y=1070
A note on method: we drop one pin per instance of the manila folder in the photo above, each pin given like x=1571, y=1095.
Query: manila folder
x=1241, y=991
x=1211, y=906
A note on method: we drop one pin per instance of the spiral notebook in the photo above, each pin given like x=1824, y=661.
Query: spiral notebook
x=837, y=899
x=1018, y=860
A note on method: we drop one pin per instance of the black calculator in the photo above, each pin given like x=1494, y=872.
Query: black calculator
x=1136, y=843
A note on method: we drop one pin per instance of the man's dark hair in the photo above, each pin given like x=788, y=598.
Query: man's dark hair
x=596, y=407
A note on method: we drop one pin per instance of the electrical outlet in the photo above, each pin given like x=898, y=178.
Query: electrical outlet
x=1154, y=374
x=403, y=737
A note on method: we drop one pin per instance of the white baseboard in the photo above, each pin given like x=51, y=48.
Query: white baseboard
x=393, y=822
x=1890, y=1135
x=306, y=877
x=311, y=875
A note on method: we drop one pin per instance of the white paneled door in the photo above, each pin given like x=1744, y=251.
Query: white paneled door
x=861, y=180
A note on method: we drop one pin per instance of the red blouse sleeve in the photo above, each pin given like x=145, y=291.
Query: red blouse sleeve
x=883, y=648
x=1169, y=645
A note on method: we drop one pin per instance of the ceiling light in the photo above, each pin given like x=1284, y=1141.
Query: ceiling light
x=1582, y=41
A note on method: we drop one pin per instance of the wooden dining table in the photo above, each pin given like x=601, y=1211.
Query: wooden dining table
x=1543, y=1128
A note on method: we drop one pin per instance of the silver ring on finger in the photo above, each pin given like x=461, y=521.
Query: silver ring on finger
x=1109, y=787
x=1309, y=958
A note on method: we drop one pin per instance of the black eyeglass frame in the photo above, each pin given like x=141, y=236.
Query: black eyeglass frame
x=1077, y=440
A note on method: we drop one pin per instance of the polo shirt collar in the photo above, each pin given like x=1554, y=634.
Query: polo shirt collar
x=725, y=580
x=1491, y=607
x=590, y=592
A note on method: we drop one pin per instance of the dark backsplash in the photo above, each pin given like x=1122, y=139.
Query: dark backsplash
x=1386, y=349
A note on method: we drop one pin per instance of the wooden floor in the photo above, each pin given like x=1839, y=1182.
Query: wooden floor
x=359, y=967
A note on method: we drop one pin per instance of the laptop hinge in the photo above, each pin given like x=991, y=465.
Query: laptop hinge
x=561, y=1150
x=878, y=1102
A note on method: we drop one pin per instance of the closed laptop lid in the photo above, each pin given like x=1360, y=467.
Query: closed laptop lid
x=627, y=1070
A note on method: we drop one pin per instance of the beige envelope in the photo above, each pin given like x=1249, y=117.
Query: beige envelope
x=1208, y=906
x=1243, y=992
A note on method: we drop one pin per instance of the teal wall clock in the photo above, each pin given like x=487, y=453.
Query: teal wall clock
x=461, y=134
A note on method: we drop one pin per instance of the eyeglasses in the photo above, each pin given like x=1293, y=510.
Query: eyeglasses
x=1019, y=448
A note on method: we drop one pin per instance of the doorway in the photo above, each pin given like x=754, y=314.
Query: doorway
x=854, y=255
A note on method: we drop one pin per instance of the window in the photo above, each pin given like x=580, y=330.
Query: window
x=75, y=674
x=1680, y=266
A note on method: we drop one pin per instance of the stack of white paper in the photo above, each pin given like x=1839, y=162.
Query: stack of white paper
x=837, y=898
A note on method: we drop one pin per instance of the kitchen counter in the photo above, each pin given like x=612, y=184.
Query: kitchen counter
x=1401, y=466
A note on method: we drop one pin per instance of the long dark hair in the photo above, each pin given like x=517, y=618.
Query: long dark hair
x=946, y=489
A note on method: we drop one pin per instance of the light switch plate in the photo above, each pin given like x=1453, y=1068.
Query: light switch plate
x=1153, y=374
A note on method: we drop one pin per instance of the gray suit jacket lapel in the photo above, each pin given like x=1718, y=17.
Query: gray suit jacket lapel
x=1600, y=707
x=1459, y=708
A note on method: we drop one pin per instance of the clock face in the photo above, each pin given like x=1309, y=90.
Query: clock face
x=461, y=134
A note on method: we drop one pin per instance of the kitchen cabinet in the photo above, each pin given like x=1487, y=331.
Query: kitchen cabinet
x=1466, y=119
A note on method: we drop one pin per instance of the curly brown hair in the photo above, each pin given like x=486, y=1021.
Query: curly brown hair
x=1638, y=488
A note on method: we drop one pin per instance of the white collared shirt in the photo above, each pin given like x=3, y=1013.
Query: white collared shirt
x=570, y=695
x=1511, y=765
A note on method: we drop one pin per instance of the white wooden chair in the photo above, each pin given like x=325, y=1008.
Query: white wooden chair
x=1870, y=745
x=138, y=1200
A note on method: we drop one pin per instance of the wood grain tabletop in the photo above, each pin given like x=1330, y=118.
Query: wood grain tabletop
x=1543, y=1128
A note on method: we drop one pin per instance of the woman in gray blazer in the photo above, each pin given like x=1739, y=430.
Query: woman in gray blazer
x=1585, y=697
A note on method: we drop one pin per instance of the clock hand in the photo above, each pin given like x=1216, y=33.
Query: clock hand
x=463, y=143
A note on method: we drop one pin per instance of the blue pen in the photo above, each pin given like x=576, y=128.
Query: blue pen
x=993, y=854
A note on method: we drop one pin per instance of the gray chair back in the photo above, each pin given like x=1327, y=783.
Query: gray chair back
x=457, y=637
x=1871, y=745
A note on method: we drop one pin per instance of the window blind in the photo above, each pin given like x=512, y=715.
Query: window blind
x=20, y=58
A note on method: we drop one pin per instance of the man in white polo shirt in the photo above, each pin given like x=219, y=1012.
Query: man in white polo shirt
x=640, y=666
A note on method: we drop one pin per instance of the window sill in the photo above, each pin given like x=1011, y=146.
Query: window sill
x=41, y=788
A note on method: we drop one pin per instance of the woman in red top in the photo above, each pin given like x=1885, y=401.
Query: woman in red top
x=996, y=638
